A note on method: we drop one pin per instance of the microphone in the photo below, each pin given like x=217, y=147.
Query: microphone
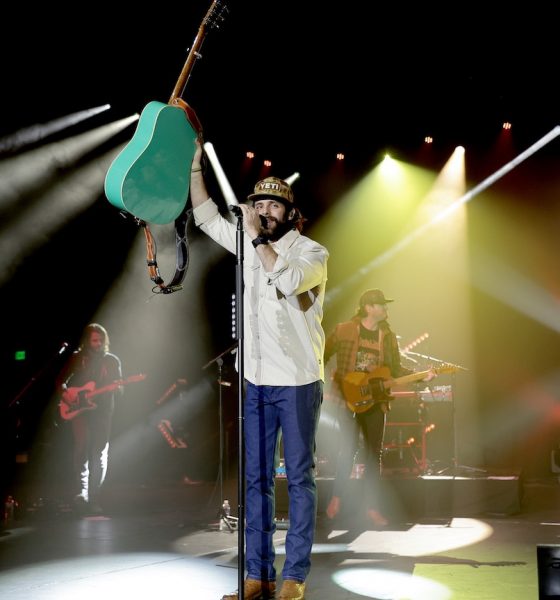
x=237, y=212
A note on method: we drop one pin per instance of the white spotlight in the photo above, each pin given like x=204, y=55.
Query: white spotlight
x=38, y=132
x=294, y=177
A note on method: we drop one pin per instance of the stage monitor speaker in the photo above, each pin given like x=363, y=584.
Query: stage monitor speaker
x=548, y=565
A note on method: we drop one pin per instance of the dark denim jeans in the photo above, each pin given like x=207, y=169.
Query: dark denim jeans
x=294, y=409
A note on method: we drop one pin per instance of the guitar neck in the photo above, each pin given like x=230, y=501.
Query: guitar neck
x=194, y=52
x=417, y=376
x=188, y=66
x=106, y=388
x=406, y=379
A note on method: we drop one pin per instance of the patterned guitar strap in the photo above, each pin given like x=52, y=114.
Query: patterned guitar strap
x=182, y=255
x=381, y=342
x=380, y=363
x=385, y=406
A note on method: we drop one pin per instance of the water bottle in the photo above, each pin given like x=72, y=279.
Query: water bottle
x=281, y=469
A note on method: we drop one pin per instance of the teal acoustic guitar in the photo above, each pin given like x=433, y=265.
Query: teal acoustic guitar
x=150, y=177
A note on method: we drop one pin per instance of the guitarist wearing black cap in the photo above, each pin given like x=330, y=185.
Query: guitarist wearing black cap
x=364, y=347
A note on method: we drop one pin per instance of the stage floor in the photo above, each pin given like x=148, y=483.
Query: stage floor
x=164, y=541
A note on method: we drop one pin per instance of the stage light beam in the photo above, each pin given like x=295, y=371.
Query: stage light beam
x=35, y=133
x=23, y=176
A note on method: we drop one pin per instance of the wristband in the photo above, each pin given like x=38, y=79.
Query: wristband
x=258, y=241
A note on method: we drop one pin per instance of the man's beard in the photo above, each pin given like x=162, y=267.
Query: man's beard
x=281, y=228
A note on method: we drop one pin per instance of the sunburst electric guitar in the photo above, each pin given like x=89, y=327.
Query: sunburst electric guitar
x=150, y=177
x=76, y=400
x=362, y=390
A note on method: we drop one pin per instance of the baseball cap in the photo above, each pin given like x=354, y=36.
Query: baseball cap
x=272, y=188
x=374, y=296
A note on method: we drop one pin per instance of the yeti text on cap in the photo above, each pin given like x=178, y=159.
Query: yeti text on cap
x=267, y=185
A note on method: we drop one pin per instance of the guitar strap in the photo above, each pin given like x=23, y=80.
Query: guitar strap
x=381, y=343
x=182, y=255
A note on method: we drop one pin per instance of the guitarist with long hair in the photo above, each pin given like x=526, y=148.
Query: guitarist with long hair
x=91, y=366
x=364, y=344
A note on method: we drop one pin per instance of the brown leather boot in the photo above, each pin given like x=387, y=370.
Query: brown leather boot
x=333, y=508
x=254, y=589
x=292, y=590
x=377, y=518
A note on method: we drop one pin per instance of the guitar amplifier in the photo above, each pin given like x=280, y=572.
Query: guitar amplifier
x=419, y=430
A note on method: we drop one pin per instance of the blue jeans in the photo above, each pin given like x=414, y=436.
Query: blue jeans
x=294, y=409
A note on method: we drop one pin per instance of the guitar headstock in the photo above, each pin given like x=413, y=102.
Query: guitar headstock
x=216, y=14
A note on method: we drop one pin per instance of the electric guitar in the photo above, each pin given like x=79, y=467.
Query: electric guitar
x=362, y=390
x=150, y=177
x=75, y=400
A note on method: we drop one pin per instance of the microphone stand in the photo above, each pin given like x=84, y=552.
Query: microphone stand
x=15, y=400
x=231, y=201
x=220, y=361
x=239, y=325
x=456, y=467
x=437, y=360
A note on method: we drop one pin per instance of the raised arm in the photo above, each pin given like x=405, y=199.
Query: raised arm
x=199, y=194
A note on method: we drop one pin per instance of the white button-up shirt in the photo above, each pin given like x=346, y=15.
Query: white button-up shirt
x=283, y=308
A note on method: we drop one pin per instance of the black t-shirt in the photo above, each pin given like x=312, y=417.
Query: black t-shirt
x=367, y=355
